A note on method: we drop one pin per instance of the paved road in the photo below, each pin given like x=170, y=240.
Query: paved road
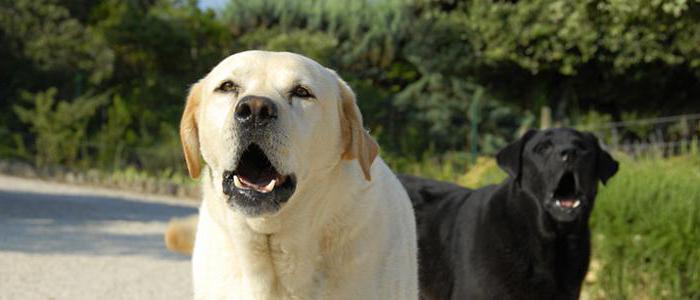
x=64, y=242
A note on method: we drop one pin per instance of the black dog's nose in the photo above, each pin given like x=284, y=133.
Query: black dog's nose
x=568, y=154
x=255, y=110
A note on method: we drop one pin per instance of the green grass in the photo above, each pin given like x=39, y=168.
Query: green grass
x=646, y=224
x=646, y=228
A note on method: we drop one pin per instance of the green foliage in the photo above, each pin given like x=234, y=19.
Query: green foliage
x=316, y=45
x=484, y=172
x=537, y=35
x=111, y=140
x=59, y=127
x=388, y=54
x=444, y=167
x=160, y=50
x=565, y=35
x=642, y=130
x=141, y=54
x=14, y=146
x=43, y=46
x=591, y=119
x=590, y=122
x=367, y=31
x=415, y=65
x=44, y=33
x=644, y=31
x=638, y=55
x=163, y=152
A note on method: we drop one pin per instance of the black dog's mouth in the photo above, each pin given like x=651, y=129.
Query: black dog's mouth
x=566, y=195
x=255, y=185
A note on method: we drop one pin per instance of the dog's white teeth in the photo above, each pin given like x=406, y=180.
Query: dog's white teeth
x=558, y=203
x=237, y=182
x=577, y=203
x=270, y=186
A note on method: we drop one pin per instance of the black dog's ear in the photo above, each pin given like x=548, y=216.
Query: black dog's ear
x=606, y=166
x=509, y=158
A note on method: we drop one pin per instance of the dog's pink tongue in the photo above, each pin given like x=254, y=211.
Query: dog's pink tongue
x=568, y=203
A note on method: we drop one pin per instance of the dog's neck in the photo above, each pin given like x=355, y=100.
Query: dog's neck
x=535, y=242
x=306, y=229
x=539, y=238
x=313, y=204
x=521, y=206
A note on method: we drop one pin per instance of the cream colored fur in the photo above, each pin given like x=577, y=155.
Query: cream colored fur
x=348, y=230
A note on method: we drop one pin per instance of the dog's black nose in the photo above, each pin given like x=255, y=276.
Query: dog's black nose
x=255, y=110
x=568, y=154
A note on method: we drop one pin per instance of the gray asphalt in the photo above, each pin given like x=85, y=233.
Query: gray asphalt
x=65, y=242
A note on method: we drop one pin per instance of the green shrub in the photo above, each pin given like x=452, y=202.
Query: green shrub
x=484, y=172
x=111, y=138
x=316, y=45
x=59, y=127
x=445, y=167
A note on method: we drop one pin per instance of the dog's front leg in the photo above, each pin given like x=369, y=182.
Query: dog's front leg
x=258, y=272
x=215, y=264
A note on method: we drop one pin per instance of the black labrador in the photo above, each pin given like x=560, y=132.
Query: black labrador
x=526, y=238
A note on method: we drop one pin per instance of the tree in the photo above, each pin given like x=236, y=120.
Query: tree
x=42, y=47
x=59, y=127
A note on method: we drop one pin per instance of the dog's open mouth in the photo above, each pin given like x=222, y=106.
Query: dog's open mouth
x=255, y=186
x=256, y=172
x=565, y=195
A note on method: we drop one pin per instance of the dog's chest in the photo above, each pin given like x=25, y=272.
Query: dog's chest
x=295, y=270
x=546, y=272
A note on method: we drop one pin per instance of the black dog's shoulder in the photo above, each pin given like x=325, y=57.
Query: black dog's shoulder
x=424, y=191
x=437, y=206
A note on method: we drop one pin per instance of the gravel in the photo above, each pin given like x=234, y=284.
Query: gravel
x=67, y=242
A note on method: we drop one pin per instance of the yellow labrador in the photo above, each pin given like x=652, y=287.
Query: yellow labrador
x=296, y=203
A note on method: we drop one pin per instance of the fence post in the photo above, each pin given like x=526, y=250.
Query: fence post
x=545, y=117
x=615, y=138
x=474, y=118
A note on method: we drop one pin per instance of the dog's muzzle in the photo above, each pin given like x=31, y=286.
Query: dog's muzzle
x=566, y=195
x=567, y=200
x=255, y=187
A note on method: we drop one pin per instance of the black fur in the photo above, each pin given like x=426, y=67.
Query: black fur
x=514, y=240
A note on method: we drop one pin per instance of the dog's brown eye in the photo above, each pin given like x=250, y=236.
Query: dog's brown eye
x=580, y=145
x=542, y=147
x=301, y=92
x=228, y=87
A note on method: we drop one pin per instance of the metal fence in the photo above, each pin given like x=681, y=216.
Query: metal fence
x=669, y=135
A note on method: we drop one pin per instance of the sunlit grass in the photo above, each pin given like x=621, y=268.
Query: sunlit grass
x=646, y=228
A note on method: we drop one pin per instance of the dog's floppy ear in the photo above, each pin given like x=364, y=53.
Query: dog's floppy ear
x=358, y=144
x=605, y=165
x=509, y=158
x=188, y=131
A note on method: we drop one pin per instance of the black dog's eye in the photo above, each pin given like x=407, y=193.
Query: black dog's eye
x=580, y=145
x=542, y=147
x=228, y=87
x=301, y=92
